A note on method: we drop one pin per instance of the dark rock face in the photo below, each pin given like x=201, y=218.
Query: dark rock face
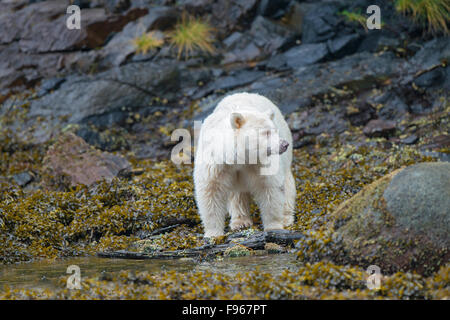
x=53, y=35
x=264, y=38
x=315, y=122
x=358, y=72
x=273, y=8
x=299, y=56
x=117, y=6
x=432, y=53
x=228, y=14
x=102, y=99
x=344, y=45
x=393, y=107
x=37, y=43
x=432, y=78
x=400, y=222
x=320, y=22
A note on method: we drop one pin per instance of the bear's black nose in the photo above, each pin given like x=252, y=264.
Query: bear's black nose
x=283, y=146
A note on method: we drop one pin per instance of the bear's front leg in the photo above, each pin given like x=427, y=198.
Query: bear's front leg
x=270, y=200
x=211, y=203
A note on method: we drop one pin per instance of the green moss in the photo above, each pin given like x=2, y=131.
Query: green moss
x=237, y=251
x=321, y=280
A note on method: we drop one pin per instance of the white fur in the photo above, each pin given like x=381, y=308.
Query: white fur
x=222, y=188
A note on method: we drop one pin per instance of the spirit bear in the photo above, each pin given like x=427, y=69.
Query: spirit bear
x=244, y=135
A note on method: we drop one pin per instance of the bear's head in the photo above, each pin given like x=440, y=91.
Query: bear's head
x=256, y=137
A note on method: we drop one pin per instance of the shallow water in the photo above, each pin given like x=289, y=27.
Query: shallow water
x=43, y=274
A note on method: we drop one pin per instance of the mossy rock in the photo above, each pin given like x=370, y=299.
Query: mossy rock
x=400, y=222
x=237, y=251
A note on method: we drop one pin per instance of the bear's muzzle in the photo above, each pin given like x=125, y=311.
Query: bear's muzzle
x=283, y=146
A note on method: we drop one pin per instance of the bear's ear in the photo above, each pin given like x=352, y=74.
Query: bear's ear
x=270, y=114
x=237, y=120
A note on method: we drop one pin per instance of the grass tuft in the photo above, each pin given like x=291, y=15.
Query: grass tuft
x=435, y=13
x=192, y=34
x=356, y=16
x=147, y=41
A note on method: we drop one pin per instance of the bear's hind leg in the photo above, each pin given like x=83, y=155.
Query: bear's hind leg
x=289, y=199
x=239, y=208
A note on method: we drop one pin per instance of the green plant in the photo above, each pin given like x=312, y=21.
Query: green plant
x=436, y=13
x=355, y=17
x=190, y=34
x=147, y=41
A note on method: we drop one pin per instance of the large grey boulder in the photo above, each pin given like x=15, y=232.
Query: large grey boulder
x=400, y=222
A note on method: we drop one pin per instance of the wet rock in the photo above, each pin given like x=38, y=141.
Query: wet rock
x=441, y=141
x=316, y=121
x=235, y=79
x=412, y=139
x=419, y=108
x=319, y=22
x=344, y=45
x=116, y=6
x=37, y=43
x=419, y=199
x=299, y=56
x=361, y=114
x=20, y=70
x=227, y=15
x=379, y=40
x=23, y=178
x=83, y=4
x=195, y=6
x=430, y=79
x=53, y=35
x=273, y=8
x=49, y=84
x=358, y=72
x=71, y=161
x=379, y=128
x=432, y=53
x=111, y=139
x=264, y=38
x=392, y=106
x=19, y=24
x=106, y=98
x=301, y=141
x=400, y=222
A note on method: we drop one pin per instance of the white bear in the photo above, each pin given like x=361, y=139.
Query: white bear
x=225, y=178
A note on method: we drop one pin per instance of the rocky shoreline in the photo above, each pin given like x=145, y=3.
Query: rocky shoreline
x=86, y=119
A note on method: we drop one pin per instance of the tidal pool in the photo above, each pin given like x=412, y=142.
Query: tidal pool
x=43, y=274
